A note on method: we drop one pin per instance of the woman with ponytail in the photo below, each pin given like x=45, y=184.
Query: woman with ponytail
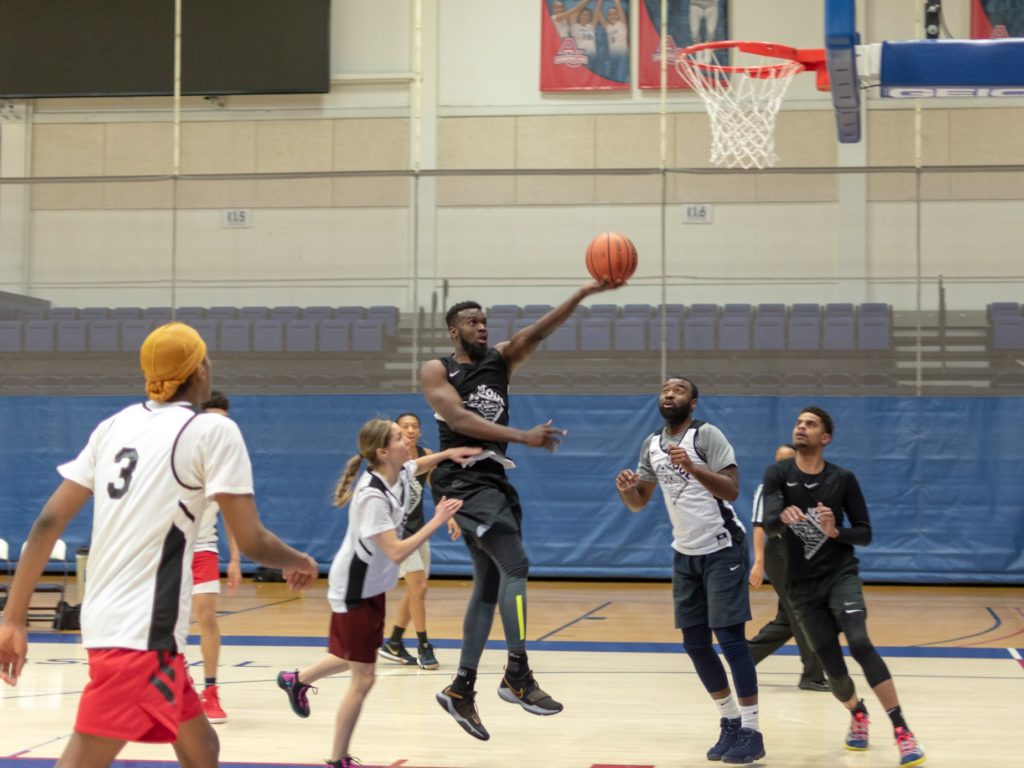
x=366, y=566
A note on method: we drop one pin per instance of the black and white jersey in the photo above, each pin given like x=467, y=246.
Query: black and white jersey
x=483, y=387
x=808, y=552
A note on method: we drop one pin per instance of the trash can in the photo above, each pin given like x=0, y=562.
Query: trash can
x=81, y=562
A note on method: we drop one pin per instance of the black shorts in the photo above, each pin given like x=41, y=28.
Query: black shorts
x=711, y=589
x=489, y=502
x=819, y=603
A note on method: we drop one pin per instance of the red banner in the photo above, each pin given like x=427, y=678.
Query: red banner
x=584, y=45
x=994, y=19
x=689, y=22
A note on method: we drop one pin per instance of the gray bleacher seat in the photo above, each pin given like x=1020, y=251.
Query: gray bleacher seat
x=1009, y=380
x=630, y=333
x=565, y=338
x=30, y=313
x=235, y=335
x=804, y=331
x=699, y=331
x=268, y=336
x=368, y=336
x=94, y=313
x=1007, y=331
x=104, y=335
x=318, y=313
x=839, y=331
x=334, y=335
x=643, y=311
x=999, y=307
x=596, y=334
x=525, y=322
x=350, y=313
x=770, y=327
x=62, y=313
x=188, y=314
x=499, y=329
x=874, y=327
x=134, y=332
x=510, y=311
x=734, y=328
x=801, y=380
x=704, y=310
x=221, y=313
x=533, y=311
x=71, y=335
x=300, y=336
x=672, y=328
x=387, y=315
x=209, y=330
x=39, y=335
x=10, y=335
x=671, y=310
x=610, y=311
x=126, y=313
x=158, y=315
x=287, y=312
x=252, y=313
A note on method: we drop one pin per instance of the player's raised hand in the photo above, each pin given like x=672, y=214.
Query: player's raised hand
x=13, y=650
x=681, y=458
x=301, y=578
x=626, y=480
x=544, y=436
x=446, y=509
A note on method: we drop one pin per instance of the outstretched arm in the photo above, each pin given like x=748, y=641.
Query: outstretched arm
x=58, y=511
x=572, y=13
x=445, y=401
x=521, y=345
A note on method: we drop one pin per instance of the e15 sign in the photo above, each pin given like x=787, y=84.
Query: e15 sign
x=236, y=218
x=698, y=213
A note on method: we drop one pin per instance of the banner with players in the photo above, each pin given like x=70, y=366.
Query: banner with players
x=688, y=22
x=584, y=45
x=994, y=19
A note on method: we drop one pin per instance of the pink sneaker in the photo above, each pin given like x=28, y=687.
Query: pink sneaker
x=857, y=736
x=911, y=752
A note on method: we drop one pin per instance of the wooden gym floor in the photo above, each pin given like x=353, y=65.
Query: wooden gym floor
x=607, y=651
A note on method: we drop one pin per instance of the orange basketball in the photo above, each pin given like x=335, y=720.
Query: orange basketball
x=611, y=257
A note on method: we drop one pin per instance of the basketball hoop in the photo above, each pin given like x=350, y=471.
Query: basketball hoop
x=743, y=99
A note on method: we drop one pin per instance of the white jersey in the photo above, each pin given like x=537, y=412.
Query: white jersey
x=561, y=26
x=151, y=468
x=701, y=523
x=586, y=40
x=206, y=541
x=360, y=568
x=618, y=38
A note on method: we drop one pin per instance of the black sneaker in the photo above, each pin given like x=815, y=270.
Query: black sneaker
x=427, y=660
x=462, y=707
x=809, y=684
x=395, y=652
x=726, y=738
x=289, y=683
x=526, y=693
x=748, y=747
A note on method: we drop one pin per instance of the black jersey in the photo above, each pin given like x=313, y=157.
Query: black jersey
x=809, y=553
x=483, y=387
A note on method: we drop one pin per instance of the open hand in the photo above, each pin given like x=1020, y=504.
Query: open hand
x=626, y=480
x=13, y=651
x=544, y=436
x=446, y=509
x=462, y=454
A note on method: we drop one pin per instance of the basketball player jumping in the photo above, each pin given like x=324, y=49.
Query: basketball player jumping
x=468, y=391
x=150, y=470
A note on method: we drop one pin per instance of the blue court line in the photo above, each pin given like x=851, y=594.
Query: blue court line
x=574, y=646
x=998, y=623
x=23, y=762
x=577, y=619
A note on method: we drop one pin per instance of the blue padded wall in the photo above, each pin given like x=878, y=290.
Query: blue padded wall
x=941, y=476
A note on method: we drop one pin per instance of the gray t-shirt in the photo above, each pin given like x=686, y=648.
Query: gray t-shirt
x=711, y=444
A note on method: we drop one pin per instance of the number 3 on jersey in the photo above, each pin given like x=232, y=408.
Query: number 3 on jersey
x=126, y=458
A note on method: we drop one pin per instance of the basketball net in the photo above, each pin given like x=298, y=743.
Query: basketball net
x=742, y=101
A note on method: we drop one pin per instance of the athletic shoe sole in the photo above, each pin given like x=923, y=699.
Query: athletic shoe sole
x=448, y=706
x=506, y=694
x=435, y=665
x=746, y=761
x=395, y=657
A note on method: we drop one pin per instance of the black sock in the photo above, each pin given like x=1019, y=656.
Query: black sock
x=422, y=638
x=209, y=681
x=517, y=664
x=861, y=708
x=464, y=680
x=896, y=715
x=396, y=635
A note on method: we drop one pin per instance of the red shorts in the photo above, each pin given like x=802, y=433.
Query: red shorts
x=358, y=634
x=136, y=696
x=205, y=573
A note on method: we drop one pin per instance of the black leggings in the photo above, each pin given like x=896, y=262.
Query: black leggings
x=500, y=568
x=854, y=626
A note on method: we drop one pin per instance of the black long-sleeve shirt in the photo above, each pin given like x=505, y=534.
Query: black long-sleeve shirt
x=808, y=552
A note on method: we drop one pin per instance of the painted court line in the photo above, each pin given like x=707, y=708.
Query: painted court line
x=574, y=621
x=993, y=628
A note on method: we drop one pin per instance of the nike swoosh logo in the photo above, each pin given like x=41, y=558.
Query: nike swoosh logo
x=855, y=610
x=734, y=568
x=848, y=603
x=453, y=374
x=811, y=485
x=792, y=485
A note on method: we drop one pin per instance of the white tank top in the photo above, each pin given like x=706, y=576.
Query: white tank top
x=585, y=39
x=618, y=38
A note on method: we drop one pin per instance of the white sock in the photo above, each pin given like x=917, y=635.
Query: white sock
x=749, y=717
x=727, y=707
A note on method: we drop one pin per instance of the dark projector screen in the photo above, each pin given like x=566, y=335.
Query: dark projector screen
x=55, y=48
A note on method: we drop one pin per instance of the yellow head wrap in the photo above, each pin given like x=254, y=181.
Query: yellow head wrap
x=169, y=355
